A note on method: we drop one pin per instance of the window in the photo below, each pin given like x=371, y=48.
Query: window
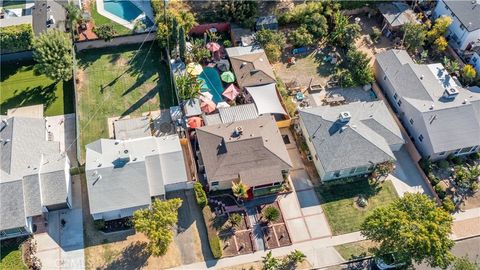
x=385, y=77
x=411, y=121
x=420, y=138
x=395, y=96
x=464, y=150
x=352, y=171
x=473, y=149
x=336, y=174
x=441, y=153
x=399, y=103
x=446, y=7
x=474, y=59
x=214, y=184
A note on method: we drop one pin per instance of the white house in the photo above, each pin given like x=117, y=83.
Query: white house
x=350, y=139
x=35, y=176
x=475, y=59
x=465, y=28
x=440, y=115
x=125, y=175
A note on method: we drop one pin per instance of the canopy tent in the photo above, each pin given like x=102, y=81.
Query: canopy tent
x=202, y=82
x=207, y=105
x=228, y=77
x=223, y=65
x=266, y=99
x=223, y=104
x=194, y=69
x=213, y=46
x=231, y=92
x=195, y=122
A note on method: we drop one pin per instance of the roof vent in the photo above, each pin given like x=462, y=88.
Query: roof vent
x=260, y=59
x=117, y=142
x=345, y=116
x=5, y=122
x=421, y=77
x=450, y=93
x=243, y=64
x=237, y=132
x=432, y=106
x=465, y=101
x=99, y=165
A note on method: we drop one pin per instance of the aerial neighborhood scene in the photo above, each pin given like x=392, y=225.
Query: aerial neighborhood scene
x=240, y=134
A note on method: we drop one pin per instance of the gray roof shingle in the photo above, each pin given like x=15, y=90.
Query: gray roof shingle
x=468, y=12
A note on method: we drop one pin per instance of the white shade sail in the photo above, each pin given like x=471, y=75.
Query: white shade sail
x=266, y=99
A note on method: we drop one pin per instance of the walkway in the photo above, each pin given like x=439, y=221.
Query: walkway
x=256, y=229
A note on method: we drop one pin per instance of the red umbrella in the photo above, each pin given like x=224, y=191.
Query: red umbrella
x=231, y=92
x=207, y=105
x=195, y=122
x=213, y=46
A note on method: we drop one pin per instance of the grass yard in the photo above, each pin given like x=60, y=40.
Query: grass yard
x=112, y=82
x=356, y=250
x=100, y=20
x=21, y=87
x=13, y=4
x=11, y=255
x=339, y=206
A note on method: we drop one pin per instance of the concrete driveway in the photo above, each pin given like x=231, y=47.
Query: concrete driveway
x=62, y=247
x=406, y=177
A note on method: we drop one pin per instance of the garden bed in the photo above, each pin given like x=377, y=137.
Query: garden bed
x=261, y=213
x=117, y=225
x=276, y=236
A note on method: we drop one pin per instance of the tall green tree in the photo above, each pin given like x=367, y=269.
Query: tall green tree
x=359, y=66
x=52, y=52
x=344, y=33
x=272, y=42
x=188, y=86
x=174, y=35
x=240, y=190
x=414, y=229
x=157, y=223
x=240, y=11
x=301, y=37
x=182, y=43
x=74, y=14
x=414, y=36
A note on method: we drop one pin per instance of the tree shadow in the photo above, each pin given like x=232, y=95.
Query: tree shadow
x=134, y=256
x=348, y=189
x=9, y=69
x=31, y=96
x=148, y=96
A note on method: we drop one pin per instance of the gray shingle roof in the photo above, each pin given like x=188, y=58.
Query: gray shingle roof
x=397, y=13
x=258, y=153
x=363, y=141
x=127, y=173
x=468, y=12
x=26, y=159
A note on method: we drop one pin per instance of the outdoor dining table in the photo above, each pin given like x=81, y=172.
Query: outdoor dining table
x=335, y=98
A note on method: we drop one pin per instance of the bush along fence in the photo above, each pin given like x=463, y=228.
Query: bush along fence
x=116, y=41
x=16, y=38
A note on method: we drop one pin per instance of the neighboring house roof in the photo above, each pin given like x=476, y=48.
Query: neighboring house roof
x=43, y=11
x=132, y=128
x=467, y=12
x=228, y=155
x=127, y=173
x=28, y=162
x=449, y=123
x=362, y=141
x=266, y=99
x=232, y=114
x=397, y=13
x=242, y=35
x=252, y=69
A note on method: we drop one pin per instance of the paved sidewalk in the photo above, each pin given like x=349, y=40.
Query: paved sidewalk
x=467, y=214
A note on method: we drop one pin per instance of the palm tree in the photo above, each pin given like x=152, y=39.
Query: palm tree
x=188, y=86
x=240, y=190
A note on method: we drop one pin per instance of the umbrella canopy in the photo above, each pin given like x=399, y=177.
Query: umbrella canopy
x=223, y=65
x=195, y=122
x=202, y=82
x=207, y=95
x=194, y=69
x=213, y=46
x=228, y=77
x=223, y=104
x=207, y=105
x=231, y=92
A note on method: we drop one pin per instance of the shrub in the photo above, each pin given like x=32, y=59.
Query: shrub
x=273, y=52
x=433, y=179
x=215, y=247
x=235, y=219
x=426, y=165
x=105, y=31
x=272, y=214
x=99, y=224
x=440, y=192
x=457, y=160
x=443, y=164
x=200, y=194
x=359, y=67
x=448, y=205
x=375, y=35
x=227, y=43
x=474, y=156
x=16, y=38
x=300, y=37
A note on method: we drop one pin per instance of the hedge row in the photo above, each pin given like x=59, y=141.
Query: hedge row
x=213, y=238
x=16, y=38
x=200, y=194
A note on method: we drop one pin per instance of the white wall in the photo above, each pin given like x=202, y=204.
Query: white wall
x=68, y=179
x=316, y=161
x=116, y=214
x=475, y=61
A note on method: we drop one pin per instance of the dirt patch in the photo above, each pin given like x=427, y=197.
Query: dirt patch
x=472, y=201
x=229, y=247
x=81, y=79
x=244, y=242
x=282, y=235
x=364, y=43
x=261, y=209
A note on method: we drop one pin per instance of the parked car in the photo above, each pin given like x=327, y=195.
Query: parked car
x=387, y=262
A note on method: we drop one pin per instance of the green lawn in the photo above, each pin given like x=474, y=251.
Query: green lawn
x=12, y=4
x=338, y=203
x=100, y=20
x=11, y=255
x=112, y=82
x=356, y=250
x=21, y=87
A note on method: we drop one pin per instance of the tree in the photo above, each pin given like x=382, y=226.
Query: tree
x=74, y=14
x=157, y=223
x=16, y=38
x=240, y=190
x=178, y=11
x=240, y=11
x=272, y=214
x=105, y=31
x=300, y=37
x=270, y=262
x=439, y=28
x=469, y=73
x=173, y=35
x=414, y=36
x=413, y=228
x=272, y=42
x=383, y=169
x=344, y=33
x=440, y=44
x=182, y=43
x=235, y=219
x=188, y=86
x=162, y=34
x=317, y=25
x=359, y=66
x=464, y=264
x=273, y=52
x=198, y=51
x=52, y=52
x=296, y=257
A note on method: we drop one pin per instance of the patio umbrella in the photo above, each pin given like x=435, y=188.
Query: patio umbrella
x=228, y=77
x=207, y=105
x=223, y=104
x=207, y=95
x=213, y=46
x=223, y=65
x=195, y=122
x=194, y=69
x=202, y=82
x=231, y=92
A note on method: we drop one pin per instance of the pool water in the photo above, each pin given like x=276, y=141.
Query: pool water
x=123, y=9
x=213, y=82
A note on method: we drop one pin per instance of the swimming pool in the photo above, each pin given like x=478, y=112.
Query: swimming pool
x=213, y=82
x=123, y=9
